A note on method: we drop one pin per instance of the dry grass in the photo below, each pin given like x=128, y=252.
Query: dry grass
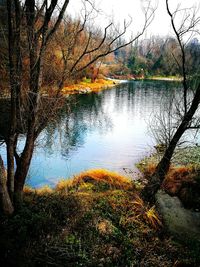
x=39, y=191
x=44, y=190
x=64, y=185
x=181, y=181
x=176, y=177
x=142, y=212
x=28, y=190
x=98, y=177
x=102, y=221
x=151, y=216
x=119, y=191
x=96, y=86
x=113, y=179
x=105, y=227
x=180, y=172
x=147, y=168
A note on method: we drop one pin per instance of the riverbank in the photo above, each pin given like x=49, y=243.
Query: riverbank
x=86, y=86
x=182, y=179
x=163, y=78
x=133, y=77
x=95, y=219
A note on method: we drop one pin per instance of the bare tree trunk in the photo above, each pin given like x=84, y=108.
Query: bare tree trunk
x=163, y=166
x=23, y=165
x=5, y=201
x=10, y=166
x=13, y=83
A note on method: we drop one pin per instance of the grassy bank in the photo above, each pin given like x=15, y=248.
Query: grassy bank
x=95, y=219
x=183, y=178
x=87, y=86
x=164, y=78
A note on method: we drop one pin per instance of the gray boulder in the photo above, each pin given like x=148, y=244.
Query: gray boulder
x=182, y=223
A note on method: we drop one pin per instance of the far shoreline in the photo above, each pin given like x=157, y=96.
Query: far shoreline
x=160, y=78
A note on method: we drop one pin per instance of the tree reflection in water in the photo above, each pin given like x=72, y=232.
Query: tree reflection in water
x=103, y=130
x=79, y=116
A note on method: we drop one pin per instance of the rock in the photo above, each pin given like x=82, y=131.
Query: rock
x=182, y=223
x=189, y=195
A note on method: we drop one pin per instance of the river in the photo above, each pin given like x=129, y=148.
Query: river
x=109, y=129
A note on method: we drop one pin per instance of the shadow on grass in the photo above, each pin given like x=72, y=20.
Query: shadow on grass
x=88, y=222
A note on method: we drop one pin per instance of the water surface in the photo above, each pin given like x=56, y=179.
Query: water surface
x=104, y=130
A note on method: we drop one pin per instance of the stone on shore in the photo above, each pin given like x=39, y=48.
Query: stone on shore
x=182, y=223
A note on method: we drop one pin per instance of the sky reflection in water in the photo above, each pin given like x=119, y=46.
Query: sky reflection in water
x=104, y=130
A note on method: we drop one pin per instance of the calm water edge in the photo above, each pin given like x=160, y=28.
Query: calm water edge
x=109, y=130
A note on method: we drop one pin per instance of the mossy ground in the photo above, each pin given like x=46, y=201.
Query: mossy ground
x=96, y=219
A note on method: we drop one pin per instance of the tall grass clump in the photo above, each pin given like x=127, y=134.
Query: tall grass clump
x=96, y=179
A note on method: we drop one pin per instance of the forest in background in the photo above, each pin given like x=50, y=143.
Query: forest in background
x=67, y=61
